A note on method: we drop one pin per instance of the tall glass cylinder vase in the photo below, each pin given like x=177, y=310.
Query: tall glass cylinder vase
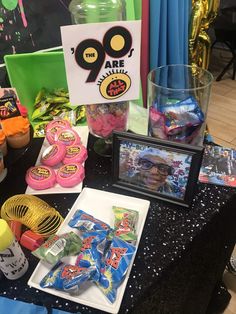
x=102, y=119
x=178, y=97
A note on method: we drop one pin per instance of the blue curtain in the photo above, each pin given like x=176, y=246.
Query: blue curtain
x=169, y=22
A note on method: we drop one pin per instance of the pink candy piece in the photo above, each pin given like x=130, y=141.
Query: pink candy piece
x=67, y=137
x=53, y=127
x=104, y=125
x=53, y=155
x=40, y=177
x=70, y=175
x=75, y=154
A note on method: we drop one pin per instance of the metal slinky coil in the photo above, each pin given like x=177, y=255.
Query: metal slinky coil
x=32, y=212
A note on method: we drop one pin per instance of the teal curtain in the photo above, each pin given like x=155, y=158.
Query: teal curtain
x=169, y=22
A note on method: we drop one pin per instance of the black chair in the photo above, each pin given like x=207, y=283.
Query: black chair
x=225, y=32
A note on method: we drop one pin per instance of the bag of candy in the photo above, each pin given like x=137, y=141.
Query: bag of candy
x=125, y=223
x=85, y=222
x=58, y=246
x=66, y=277
x=90, y=254
x=117, y=262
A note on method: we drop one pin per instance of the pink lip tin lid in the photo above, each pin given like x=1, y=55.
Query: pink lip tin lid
x=70, y=175
x=40, y=177
x=53, y=154
x=54, y=126
x=67, y=137
x=75, y=153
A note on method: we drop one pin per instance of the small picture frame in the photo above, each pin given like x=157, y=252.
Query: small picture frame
x=157, y=168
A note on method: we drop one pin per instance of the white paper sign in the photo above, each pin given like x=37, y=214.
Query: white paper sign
x=102, y=61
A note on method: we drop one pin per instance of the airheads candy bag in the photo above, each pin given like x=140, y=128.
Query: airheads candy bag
x=58, y=246
x=117, y=262
x=85, y=222
x=90, y=254
x=66, y=277
x=125, y=223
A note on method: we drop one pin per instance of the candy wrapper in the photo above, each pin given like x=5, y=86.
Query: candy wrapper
x=66, y=277
x=51, y=104
x=176, y=120
x=125, y=223
x=90, y=254
x=58, y=246
x=85, y=222
x=117, y=261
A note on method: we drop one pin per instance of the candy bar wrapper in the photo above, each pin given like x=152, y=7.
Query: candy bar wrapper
x=117, y=261
x=58, y=246
x=66, y=277
x=85, y=222
x=90, y=254
x=125, y=223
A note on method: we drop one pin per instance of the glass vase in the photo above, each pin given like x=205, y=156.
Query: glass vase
x=178, y=97
x=102, y=120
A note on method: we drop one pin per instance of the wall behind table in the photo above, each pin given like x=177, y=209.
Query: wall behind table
x=30, y=25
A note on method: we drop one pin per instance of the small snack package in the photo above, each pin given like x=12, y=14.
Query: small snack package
x=66, y=277
x=85, y=222
x=58, y=246
x=90, y=254
x=125, y=223
x=117, y=261
x=182, y=116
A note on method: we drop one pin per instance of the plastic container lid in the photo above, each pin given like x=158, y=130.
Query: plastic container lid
x=67, y=137
x=40, y=177
x=53, y=127
x=75, y=153
x=70, y=175
x=53, y=154
x=6, y=235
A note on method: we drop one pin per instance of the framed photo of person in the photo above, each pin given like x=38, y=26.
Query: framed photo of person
x=161, y=169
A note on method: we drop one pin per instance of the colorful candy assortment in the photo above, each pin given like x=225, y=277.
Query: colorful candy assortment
x=177, y=120
x=102, y=119
x=54, y=104
x=61, y=161
x=101, y=257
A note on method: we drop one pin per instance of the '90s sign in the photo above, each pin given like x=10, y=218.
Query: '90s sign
x=105, y=67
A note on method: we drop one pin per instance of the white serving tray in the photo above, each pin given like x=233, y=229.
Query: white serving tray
x=99, y=204
x=57, y=189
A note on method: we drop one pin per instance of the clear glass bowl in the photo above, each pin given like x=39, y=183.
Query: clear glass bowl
x=178, y=97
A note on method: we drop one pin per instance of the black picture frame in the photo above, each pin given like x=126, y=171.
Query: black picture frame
x=177, y=172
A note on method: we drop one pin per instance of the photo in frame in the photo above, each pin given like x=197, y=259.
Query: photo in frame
x=157, y=168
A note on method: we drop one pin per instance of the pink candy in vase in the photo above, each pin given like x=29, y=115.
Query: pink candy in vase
x=102, y=119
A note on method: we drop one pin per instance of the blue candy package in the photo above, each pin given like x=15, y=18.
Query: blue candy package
x=67, y=277
x=181, y=115
x=90, y=254
x=117, y=261
x=85, y=222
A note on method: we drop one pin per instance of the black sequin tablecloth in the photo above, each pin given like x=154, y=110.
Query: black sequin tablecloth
x=181, y=256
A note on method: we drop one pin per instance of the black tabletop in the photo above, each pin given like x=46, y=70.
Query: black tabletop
x=167, y=236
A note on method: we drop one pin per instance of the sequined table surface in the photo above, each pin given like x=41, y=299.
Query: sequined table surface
x=181, y=256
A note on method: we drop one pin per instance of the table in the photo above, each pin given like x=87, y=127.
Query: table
x=182, y=253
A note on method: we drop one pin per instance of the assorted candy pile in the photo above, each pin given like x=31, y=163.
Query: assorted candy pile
x=178, y=121
x=54, y=104
x=66, y=152
x=102, y=254
x=102, y=119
